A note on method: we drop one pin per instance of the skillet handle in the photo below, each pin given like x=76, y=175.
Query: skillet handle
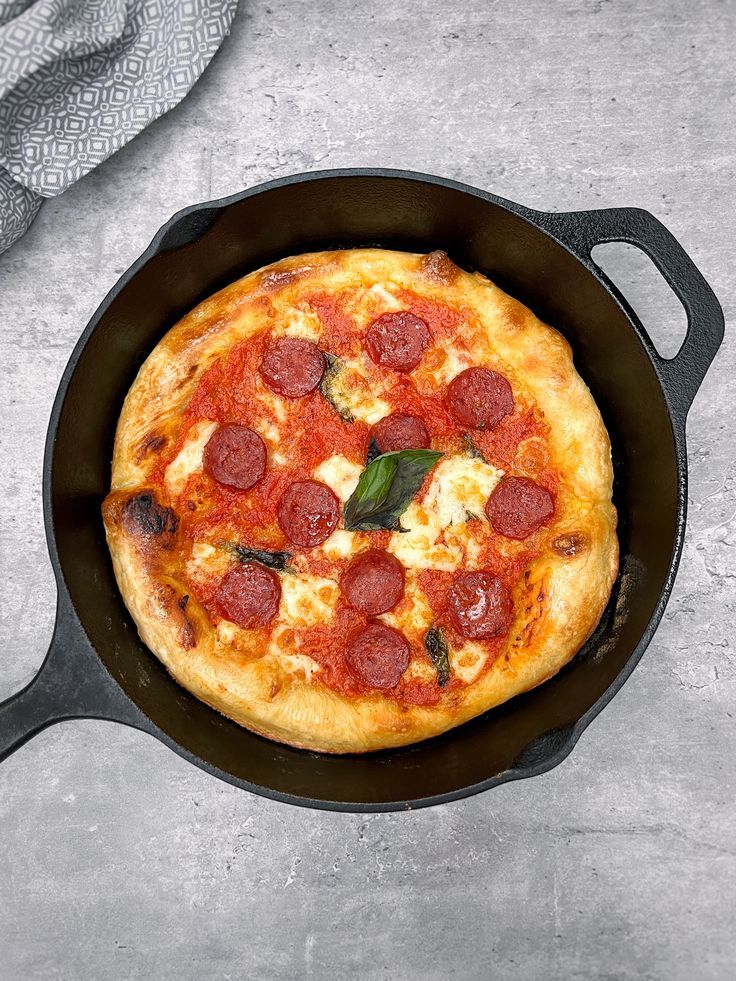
x=683, y=374
x=71, y=684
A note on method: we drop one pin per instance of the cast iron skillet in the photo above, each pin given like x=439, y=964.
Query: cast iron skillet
x=97, y=667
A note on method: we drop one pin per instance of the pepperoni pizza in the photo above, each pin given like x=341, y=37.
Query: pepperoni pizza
x=359, y=498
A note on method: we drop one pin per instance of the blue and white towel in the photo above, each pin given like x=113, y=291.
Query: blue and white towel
x=80, y=78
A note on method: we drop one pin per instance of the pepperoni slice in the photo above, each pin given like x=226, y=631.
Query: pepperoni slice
x=378, y=655
x=292, y=366
x=479, y=605
x=373, y=582
x=249, y=595
x=517, y=507
x=479, y=398
x=308, y=513
x=400, y=432
x=398, y=340
x=235, y=456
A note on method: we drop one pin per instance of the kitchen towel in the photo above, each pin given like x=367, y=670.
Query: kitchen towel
x=79, y=78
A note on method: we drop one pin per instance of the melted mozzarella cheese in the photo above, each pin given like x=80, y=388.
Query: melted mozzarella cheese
x=420, y=669
x=227, y=633
x=280, y=407
x=460, y=487
x=273, y=440
x=189, y=458
x=418, y=548
x=459, y=490
x=206, y=561
x=350, y=392
x=467, y=661
x=281, y=648
x=414, y=613
x=299, y=664
x=340, y=474
x=413, y=617
x=473, y=552
x=453, y=363
x=301, y=323
x=387, y=300
x=339, y=545
x=306, y=600
x=438, y=367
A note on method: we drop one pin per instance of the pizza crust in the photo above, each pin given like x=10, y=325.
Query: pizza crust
x=557, y=601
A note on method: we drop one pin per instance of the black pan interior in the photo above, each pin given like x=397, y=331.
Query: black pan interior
x=207, y=250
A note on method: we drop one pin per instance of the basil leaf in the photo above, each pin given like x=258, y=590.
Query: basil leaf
x=373, y=452
x=386, y=488
x=434, y=641
x=272, y=560
x=370, y=493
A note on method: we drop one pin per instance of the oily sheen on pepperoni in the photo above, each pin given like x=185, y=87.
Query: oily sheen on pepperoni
x=479, y=398
x=518, y=507
x=308, y=513
x=378, y=656
x=398, y=340
x=292, y=367
x=479, y=605
x=235, y=456
x=400, y=432
x=373, y=582
x=249, y=595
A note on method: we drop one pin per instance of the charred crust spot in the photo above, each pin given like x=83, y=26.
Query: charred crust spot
x=143, y=515
x=439, y=267
x=174, y=605
x=187, y=635
x=150, y=444
x=570, y=545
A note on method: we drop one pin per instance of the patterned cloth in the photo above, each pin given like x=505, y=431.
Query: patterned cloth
x=79, y=78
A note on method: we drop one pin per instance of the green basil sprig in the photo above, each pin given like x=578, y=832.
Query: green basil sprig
x=386, y=488
x=434, y=641
x=278, y=561
x=330, y=387
x=373, y=452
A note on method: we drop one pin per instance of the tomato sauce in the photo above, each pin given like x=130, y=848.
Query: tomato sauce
x=326, y=644
x=225, y=390
x=403, y=397
x=499, y=445
x=443, y=321
x=339, y=335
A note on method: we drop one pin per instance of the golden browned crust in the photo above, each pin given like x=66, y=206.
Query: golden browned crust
x=558, y=601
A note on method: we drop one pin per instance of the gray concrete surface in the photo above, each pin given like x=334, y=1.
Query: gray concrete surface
x=119, y=860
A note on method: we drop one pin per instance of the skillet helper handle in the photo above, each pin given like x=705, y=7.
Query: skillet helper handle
x=23, y=715
x=71, y=684
x=683, y=374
